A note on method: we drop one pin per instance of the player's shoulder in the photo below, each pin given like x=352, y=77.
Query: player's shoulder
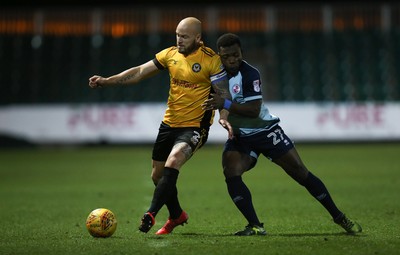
x=249, y=71
x=208, y=51
x=166, y=54
x=245, y=67
x=170, y=50
x=248, y=67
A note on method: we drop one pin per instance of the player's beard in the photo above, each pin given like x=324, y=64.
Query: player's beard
x=189, y=49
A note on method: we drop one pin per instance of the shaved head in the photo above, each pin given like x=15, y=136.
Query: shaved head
x=188, y=35
x=191, y=24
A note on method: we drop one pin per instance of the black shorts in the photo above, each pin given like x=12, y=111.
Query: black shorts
x=167, y=137
x=272, y=143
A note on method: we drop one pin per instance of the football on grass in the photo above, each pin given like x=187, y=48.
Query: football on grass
x=101, y=222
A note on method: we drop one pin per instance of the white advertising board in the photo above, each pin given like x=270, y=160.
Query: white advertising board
x=138, y=123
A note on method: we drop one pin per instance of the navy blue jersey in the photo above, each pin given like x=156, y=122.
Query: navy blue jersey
x=245, y=87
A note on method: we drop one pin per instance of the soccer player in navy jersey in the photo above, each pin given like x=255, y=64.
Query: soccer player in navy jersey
x=256, y=131
x=195, y=70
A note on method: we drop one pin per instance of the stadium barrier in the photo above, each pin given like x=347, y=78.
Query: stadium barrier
x=138, y=123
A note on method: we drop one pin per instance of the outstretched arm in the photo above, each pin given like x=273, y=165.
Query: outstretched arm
x=127, y=77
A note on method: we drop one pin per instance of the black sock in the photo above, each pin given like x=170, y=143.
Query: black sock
x=173, y=205
x=318, y=190
x=241, y=196
x=164, y=190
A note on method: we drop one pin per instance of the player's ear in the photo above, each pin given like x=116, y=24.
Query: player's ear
x=198, y=39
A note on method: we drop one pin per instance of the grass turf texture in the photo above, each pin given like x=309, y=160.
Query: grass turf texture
x=46, y=195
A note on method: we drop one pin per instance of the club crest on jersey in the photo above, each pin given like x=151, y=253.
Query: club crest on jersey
x=196, y=67
x=236, y=89
x=256, y=85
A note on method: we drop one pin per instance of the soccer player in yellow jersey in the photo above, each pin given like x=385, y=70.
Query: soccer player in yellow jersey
x=195, y=71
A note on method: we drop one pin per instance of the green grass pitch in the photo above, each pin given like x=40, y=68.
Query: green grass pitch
x=47, y=193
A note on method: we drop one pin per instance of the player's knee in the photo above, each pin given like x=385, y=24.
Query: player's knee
x=300, y=174
x=156, y=176
x=231, y=172
x=155, y=179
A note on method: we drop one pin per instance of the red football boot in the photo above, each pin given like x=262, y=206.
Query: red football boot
x=172, y=223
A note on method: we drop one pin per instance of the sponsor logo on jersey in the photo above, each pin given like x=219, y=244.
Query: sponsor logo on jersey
x=183, y=84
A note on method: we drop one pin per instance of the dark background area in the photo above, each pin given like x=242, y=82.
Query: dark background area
x=305, y=51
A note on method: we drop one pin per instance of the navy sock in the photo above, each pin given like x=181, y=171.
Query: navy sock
x=164, y=190
x=318, y=190
x=241, y=196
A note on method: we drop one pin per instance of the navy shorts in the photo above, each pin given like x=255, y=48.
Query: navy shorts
x=272, y=143
x=167, y=137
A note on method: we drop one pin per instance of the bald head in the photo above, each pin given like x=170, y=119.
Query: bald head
x=188, y=35
x=191, y=24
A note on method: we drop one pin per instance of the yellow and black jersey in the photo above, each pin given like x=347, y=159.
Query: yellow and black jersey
x=190, y=85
